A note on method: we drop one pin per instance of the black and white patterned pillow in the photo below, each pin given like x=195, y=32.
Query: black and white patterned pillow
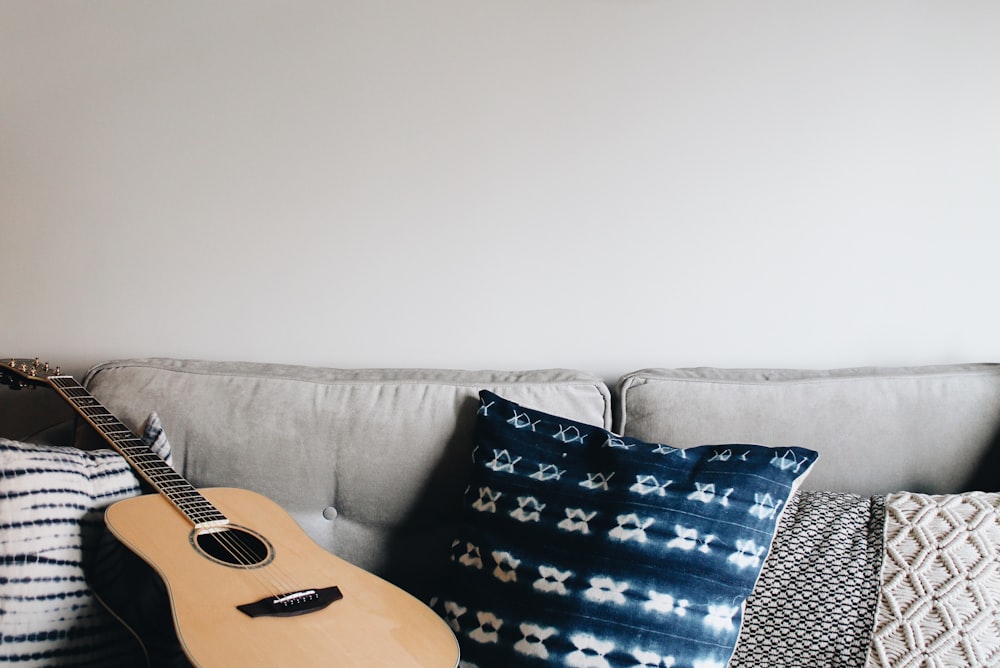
x=51, y=517
x=815, y=601
x=582, y=548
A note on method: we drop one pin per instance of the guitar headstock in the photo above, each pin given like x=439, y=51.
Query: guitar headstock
x=21, y=373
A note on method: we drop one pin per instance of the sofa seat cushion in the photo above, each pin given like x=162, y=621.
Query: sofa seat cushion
x=579, y=547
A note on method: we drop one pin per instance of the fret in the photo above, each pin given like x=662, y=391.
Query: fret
x=66, y=384
x=199, y=507
x=170, y=479
x=202, y=511
x=201, y=515
x=205, y=514
x=105, y=419
x=198, y=512
x=130, y=442
x=166, y=482
x=138, y=451
x=182, y=494
x=183, y=490
x=161, y=471
x=151, y=464
x=85, y=401
x=186, y=493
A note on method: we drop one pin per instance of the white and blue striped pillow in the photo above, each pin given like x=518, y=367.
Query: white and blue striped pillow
x=52, y=501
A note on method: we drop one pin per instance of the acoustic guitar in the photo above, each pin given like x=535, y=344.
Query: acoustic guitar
x=246, y=585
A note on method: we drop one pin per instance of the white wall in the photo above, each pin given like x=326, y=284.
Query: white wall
x=599, y=184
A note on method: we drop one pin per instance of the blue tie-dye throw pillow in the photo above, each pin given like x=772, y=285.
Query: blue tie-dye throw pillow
x=581, y=548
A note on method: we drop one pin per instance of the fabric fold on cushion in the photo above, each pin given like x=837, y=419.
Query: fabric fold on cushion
x=584, y=548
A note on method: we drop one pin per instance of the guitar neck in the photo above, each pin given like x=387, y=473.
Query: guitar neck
x=188, y=500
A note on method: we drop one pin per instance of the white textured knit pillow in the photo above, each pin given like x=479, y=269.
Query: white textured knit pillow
x=939, y=603
x=51, y=514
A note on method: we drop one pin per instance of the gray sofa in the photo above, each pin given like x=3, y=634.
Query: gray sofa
x=373, y=465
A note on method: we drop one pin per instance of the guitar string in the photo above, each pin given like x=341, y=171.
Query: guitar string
x=243, y=555
x=277, y=582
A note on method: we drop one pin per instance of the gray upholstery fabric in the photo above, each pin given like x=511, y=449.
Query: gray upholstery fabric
x=877, y=430
x=371, y=463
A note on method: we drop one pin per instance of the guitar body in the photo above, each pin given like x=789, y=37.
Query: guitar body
x=374, y=623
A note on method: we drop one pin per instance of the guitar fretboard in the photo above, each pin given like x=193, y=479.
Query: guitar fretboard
x=152, y=468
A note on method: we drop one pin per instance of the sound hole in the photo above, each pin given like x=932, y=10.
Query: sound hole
x=233, y=546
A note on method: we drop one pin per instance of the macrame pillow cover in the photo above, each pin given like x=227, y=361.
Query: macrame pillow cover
x=52, y=501
x=939, y=595
x=582, y=548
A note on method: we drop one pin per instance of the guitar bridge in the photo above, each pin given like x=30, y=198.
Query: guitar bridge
x=292, y=603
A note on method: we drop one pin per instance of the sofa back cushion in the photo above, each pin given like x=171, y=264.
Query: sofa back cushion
x=371, y=463
x=877, y=430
